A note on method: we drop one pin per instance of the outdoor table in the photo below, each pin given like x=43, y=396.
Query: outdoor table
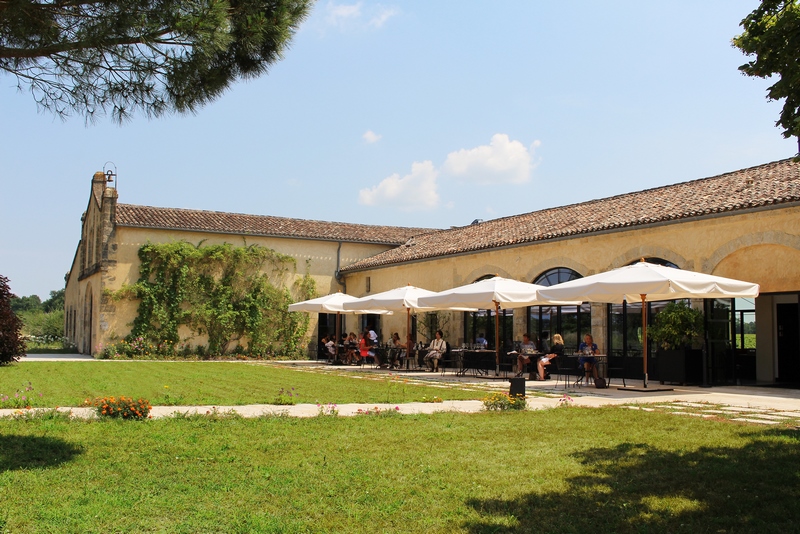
x=479, y=361
x=601, y=365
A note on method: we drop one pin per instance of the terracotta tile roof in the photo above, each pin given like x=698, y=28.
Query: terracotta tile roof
x=260, y=225
x=756, y=187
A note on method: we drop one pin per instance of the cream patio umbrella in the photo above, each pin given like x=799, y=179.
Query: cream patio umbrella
x=399, y=299
x=648, y=282
x=330, y=304
x=498, y=292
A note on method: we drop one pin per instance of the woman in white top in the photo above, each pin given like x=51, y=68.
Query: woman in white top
x=435, y=352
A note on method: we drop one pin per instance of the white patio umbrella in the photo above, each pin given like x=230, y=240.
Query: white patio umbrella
x=648, y=282
x=399, y=299
x=496, y=292
x=329, y=304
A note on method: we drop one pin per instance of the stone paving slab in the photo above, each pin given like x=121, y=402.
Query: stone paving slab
x=759, y=421
x=773, y=417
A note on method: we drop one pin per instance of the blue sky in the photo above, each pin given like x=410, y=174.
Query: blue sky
x=412, y=113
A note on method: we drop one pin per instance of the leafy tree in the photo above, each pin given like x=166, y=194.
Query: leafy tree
x=11, y=344
x=26, y=304
x=150, y=55
x=43, y=324
x=772, y=34
x=55, y=302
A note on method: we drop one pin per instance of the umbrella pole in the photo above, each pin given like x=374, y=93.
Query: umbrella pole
x=408, y=334
x=644, y=336
x=496, y=338
x=338, y=336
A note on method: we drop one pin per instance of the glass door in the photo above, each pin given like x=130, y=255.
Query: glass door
x=721, y=368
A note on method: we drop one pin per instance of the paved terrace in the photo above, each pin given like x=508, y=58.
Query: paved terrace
x=761, y=405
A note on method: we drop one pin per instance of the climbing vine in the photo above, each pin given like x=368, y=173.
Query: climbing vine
x=237, y=297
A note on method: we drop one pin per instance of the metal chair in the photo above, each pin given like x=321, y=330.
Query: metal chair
x=565, y=373
x=609, y=374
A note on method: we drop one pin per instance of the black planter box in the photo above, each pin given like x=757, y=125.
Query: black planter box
x=681, y=366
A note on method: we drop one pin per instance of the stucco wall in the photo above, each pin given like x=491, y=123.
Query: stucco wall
x=115, y=317
x=761, y=247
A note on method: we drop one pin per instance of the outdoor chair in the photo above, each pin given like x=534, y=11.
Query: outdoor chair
x=447, y=360
x=564, y=372
x=613, y=372
x=409, y=360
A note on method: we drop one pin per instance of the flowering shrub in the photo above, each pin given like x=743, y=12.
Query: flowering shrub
x=42, y=414
x=327, y=409
x=136, y=347
x=22, y=398
x=503, y=401
x=378, y=411
x=286, y=397
x=566, y=400
x=122, y=407
x=48, y=342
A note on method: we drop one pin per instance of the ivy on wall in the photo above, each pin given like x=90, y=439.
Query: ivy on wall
x=236, y=296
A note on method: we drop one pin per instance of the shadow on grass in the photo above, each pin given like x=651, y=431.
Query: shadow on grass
x=30, y=452
x=639, y=488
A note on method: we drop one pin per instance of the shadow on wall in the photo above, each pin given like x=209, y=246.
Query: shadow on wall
x=639, y=488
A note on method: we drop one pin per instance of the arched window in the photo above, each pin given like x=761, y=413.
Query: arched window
x=482, y=322
x=572, y=322
x=555, y=276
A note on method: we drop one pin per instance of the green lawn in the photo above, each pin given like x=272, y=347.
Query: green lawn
x=561, y=470
x=209, y=383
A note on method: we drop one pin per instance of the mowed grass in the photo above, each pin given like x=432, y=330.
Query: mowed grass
x=561, y=470
x=210, y=383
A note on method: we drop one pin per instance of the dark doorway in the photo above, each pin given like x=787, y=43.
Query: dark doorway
x=788, y=323
x=326, y=327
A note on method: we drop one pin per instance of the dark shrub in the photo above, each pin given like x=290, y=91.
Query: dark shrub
x=11, y=344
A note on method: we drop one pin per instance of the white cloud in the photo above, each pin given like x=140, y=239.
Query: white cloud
x=352, y=16
x=371, y=137
x=380, y=18
x=340, y=15
x=413, y=192
x=501, y=161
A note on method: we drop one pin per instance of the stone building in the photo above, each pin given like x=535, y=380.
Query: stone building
x=112, y=233
x=743, y=224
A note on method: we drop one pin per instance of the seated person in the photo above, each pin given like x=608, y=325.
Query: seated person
x=398, y=350
x=589, y=363
x=481, y=341
x=526, y=350
x=330, y=347
x=436, y=351
x=364, y=345
x=351, y=346
x=555, y=352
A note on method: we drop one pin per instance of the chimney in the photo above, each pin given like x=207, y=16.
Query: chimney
x=98, y=186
